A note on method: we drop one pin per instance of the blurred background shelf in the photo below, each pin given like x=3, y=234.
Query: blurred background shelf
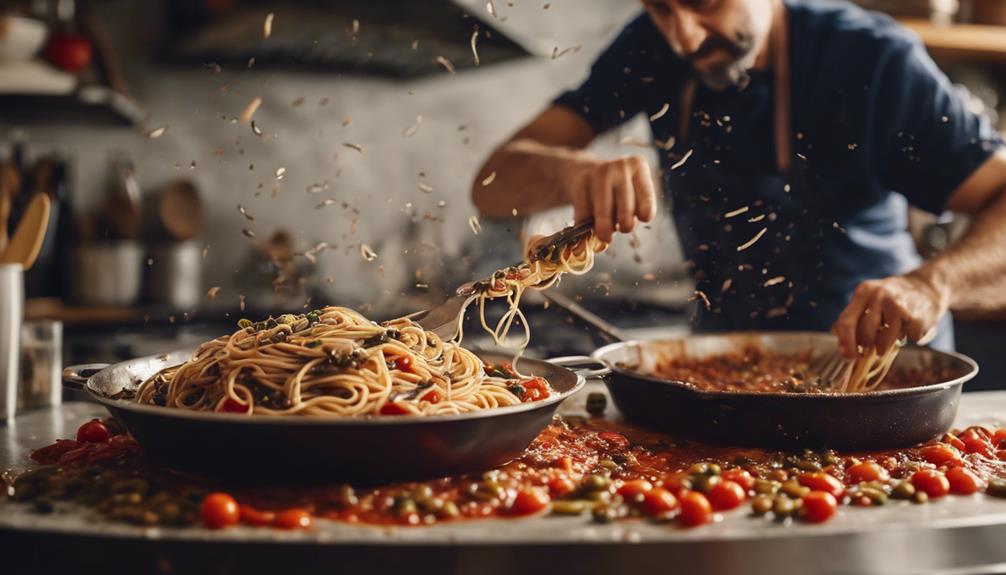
x=972, y=42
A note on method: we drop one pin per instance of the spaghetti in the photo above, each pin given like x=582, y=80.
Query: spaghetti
x=867, y=371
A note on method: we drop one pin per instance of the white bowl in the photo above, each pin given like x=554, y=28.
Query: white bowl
x=20, y=38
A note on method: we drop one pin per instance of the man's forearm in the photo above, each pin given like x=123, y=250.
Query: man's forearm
x=527, y=176
x=967, y=274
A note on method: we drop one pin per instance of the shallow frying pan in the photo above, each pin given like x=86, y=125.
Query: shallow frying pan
x=366, y=450
x=851, y=421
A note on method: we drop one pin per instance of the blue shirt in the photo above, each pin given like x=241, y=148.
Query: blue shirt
x=875, y=125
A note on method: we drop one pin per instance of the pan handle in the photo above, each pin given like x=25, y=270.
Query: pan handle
x=579, y=363
x=76, y=376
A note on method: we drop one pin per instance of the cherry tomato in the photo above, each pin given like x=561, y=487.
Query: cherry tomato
x=820, y=481
x=658, y=501
x=695, y=509
x=93, y=431
x=634, y=488
x=939, y=454
x=559, y=486
x=537, y=388
x=726, y=495
x=953, y=440
x=232, y=406
x=615, y=440
x=392, y=408
x=52, y=453
x=740, y=477
x=255, y=517
x=404, y=363
x=530, y=501
x=70, y=52
x=292, y=519
x=977, y=440
x=866, y=471
x=819, y=506
x=963, y=481
x=999, y=437
x=220, y=510
x=676, y=483
x=934, y=483
x=432, y=396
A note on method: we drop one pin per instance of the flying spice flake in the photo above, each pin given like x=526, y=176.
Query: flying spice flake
x=267, y=26
x=442, y=204
x=661, y=112
x=774, y=281
x=489, y=179
x=280, y=172
x=411, y=130
x=317, y=188
x=682, y=161
x=473, y=223
x=157, y=132
x=367, y=253
x=245, y=213
x=206, y=251
x=251, y=62
x=701, y=296
x=241, y=302
x=248, y=232
x=250, y=109
x=327, y=202
x=491, y=8
x=415, y=45
x=752, y=241
x=446, y=64
x=649, y=277
x=425, y=188
x=352, y=146
x=726, y=285
x=356, y=27
x=298, y=102
x=255, y=129
x=212, y=293
x=475, y=50
x=756, y=219
x=556, y=53
x=736, y=212
x=312, y=254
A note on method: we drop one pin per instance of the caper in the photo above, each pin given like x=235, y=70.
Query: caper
x=807, y=465
x=127, y=498
x=903, y=490
x=576, y=507
x=778, y=475
x=830, y=458
x=700, y=468
x=599, y=496
x=596, y=483
x=431, y=504
x=794, y=489
x=715, y=469
x=491, y=475
x=704, y=483
x=169, y=511
x=450, y=509
x=345, y=496
x=920, y=497
x=489, y=490
x=607, y=464
x=876, y=496
x=761, y=504
x=783, y=507
x=421, y=492
x=405, y=506
x=766, y=487
x=244, y=323
x=996, y=488
x=605, y=513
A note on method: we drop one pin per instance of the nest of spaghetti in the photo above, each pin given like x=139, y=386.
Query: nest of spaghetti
x=336, y=362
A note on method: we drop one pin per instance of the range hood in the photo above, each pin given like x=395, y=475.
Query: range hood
x=398, y=38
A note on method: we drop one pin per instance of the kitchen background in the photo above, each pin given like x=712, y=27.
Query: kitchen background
x=207, y=172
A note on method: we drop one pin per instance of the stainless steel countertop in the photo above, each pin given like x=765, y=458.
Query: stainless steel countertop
x=953, y=535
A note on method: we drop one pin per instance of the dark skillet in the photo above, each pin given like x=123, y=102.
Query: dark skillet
x=367, y=450
x=853, y=421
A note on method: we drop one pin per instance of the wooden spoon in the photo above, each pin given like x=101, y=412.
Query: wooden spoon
x=30, y=232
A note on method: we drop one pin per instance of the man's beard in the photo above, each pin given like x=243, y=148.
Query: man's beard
x=732, y=73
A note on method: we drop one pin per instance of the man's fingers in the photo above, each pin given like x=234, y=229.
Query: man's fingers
x=602, y=201
x=890, y=331
x=646, y=195
x=869, y=324
x=581, y=205
x=915, y=330
x=625, y=202
x=846, y=324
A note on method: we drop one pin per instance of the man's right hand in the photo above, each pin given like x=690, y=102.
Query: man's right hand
x=614, y=192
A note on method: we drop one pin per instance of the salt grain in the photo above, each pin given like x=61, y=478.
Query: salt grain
x=212, y=293
x=367, y=253
x=248, y=232
x=425, y=188
x=157, y=132
x=280, y=172
x=245, y=213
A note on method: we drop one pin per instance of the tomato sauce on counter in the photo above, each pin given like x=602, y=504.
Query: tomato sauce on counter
x=609, y=470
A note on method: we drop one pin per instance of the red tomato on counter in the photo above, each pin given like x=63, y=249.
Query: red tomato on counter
x=819, y=506
x=740, y=477
x=940, y=454
x=93, y=431
x=820, y=481
x=866, y=471
x=255, y=517
x=726, y=495
x=631, y=489
x=530, y=501
x=962, y=481
x=67, y=51
x=695, y=509
x=292, y=519
x=219, y=510
x=934, y=483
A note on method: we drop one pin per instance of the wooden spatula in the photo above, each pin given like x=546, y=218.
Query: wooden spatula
x=30, y=232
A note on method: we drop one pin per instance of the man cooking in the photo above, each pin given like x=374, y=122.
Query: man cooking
x=792, y=135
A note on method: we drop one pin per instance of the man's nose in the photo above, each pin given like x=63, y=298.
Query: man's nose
x=689, y=32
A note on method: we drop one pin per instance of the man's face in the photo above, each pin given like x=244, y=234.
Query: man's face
x=719, y=38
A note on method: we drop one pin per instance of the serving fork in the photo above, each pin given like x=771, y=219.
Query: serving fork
x=445, y=319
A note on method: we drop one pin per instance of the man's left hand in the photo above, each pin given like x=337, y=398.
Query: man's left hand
x=883, y=311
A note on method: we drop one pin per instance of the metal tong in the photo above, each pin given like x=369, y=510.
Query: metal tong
x=445, y=319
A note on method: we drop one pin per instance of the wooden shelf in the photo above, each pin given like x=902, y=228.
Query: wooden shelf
x=972, y=42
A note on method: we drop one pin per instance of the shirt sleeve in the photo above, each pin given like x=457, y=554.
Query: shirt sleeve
x=929, y=142
x=613, y=92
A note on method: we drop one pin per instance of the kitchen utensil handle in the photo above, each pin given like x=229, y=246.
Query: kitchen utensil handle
x=76, y=376
x=577, y=363
x=583, y=314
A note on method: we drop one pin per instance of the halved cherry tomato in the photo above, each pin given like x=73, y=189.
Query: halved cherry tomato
x=740, y=477
x=255, y=517
x=559, y=486
x=634, y=488
x=999, y=437
x=726, y=495
x=52, y=453
x=615, y=440
x=392, y=408
x=530, y=500
x=819, y=481
x=977, y=440
x=934, y=483
x=93, y=431
x=819, y=506
x=292, y=519
x=658, y=501
x=695, y=509
x=963, y=481
x=866, y=471
x=232, y=406
x=940, y=454
x=432, y=396
x=953, y=440
x=404, y=363
x=220, y=510
x=536, y=388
